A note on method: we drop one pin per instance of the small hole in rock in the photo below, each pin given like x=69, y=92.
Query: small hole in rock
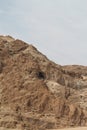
x=41, y=75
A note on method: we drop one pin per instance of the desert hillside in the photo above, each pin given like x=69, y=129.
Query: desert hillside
x=36, y=93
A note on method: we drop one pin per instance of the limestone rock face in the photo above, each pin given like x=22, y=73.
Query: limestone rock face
x=36, y=93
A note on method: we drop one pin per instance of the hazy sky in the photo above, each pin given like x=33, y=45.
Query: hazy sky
x=58, y=28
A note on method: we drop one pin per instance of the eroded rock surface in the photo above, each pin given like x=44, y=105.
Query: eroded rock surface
x=36, y=93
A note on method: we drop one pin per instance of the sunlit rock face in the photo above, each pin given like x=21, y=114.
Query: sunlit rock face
x=36, y=93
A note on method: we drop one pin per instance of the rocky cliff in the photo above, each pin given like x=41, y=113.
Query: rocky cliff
x=36, y=93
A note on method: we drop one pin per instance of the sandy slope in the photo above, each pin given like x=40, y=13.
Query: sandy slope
x=79, y=128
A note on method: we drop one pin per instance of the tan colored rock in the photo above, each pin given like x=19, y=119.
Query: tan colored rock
x=36, y=93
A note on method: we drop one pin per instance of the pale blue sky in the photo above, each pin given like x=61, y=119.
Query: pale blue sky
x=58, y=28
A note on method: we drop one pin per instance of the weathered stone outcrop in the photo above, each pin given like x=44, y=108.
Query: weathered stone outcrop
x=36, y=93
